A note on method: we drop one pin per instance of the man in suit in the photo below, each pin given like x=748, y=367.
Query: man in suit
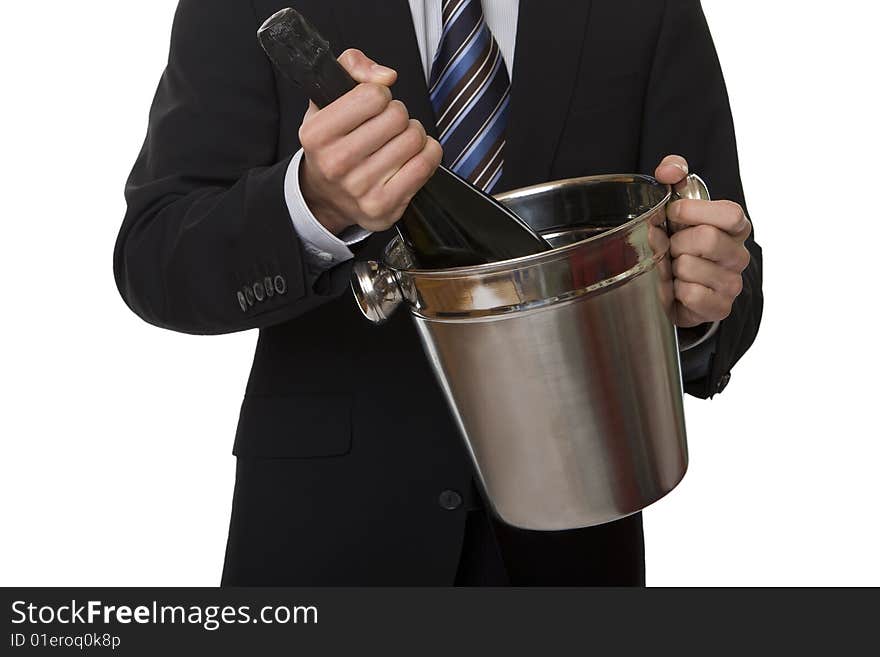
x=247, y=208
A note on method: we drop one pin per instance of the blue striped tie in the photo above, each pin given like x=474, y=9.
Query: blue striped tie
x=470, y=92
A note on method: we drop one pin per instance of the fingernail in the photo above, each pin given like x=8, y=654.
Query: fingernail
x=681, y=167
x=378, y=69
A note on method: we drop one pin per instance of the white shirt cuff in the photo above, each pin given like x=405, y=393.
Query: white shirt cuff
x=323, y=249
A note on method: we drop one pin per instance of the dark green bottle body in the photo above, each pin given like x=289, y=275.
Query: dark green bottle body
x=450, y=223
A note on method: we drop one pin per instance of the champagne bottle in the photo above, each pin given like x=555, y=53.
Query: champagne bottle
x=449, y=222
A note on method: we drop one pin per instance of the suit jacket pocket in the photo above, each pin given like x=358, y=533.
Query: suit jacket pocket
x=294, y=426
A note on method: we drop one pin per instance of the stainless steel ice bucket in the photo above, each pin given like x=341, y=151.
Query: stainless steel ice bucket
x=561, y=368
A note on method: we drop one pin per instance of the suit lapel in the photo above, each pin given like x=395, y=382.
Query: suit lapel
x=384, y=31
x=549, y=41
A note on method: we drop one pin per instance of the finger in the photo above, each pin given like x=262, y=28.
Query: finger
x=658, y=240
x=373, y=172
x=686, y=318
x=386, y=203
x=692, y=269
x=384, y=164
x=375, y=133
x=702, y=302
x=344, y=114
x=712, y=244
x=364, y=69
x=673, y=169
x=415, y=173
x=724, y=215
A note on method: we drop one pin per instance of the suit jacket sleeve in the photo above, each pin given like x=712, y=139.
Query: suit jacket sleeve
x=687, y=112
x=207, y=216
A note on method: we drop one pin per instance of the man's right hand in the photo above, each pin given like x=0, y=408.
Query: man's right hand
x=364, y=158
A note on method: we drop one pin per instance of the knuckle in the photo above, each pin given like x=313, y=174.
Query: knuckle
x=679, y=243
x=307, y=137
x=745, y=259
x=399, y=115
x=423, y=167
x=434, y=152
x=735, y=287
x=684, y=292
x=415, y=124
x=729, y=286
x=683, y=265
x=696, y=295
x=739, y=222
x=689, y=211
x=375, y=96
x=333, y=166
x=415, y=137
x=699, y=296
x=690, y=294
x=708, y=237
x=372, y=206
x=679, y=266
x=690, y=260
x=356, y=185
x=736, y=216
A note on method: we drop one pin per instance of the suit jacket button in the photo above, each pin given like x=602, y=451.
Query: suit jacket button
x=450, y=500
x=259, y=291
x=249, y=295
x=242, y=302
x=280, y=284
x=269, y=286
x=722, y=383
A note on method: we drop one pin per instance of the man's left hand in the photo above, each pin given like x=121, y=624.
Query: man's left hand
x=708, y=251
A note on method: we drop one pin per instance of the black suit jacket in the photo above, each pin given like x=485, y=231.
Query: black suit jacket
x=344, y=443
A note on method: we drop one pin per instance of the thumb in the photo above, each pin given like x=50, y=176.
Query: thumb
x=673, y=169
x=364, y=69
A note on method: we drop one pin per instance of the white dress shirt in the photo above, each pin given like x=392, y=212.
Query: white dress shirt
x=324, y=249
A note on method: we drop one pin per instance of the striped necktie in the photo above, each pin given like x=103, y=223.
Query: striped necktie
x=470, y=92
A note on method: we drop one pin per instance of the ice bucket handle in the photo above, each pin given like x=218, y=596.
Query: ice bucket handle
x=692, y=187
x=376, y=290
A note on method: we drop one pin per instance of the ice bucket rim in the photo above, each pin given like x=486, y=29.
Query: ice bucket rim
x=585, y=266
x=537, y=258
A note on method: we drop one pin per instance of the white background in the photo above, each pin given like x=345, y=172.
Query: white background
x=116, y=436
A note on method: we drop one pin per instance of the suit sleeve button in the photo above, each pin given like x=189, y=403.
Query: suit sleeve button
x=722, y=383
x=280, y=284
x=242, y=302
x=259, y=291
x=450, y=500
x=249, y=295
x=269, y=286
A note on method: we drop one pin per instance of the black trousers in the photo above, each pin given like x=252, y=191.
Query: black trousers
x=496, y=554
